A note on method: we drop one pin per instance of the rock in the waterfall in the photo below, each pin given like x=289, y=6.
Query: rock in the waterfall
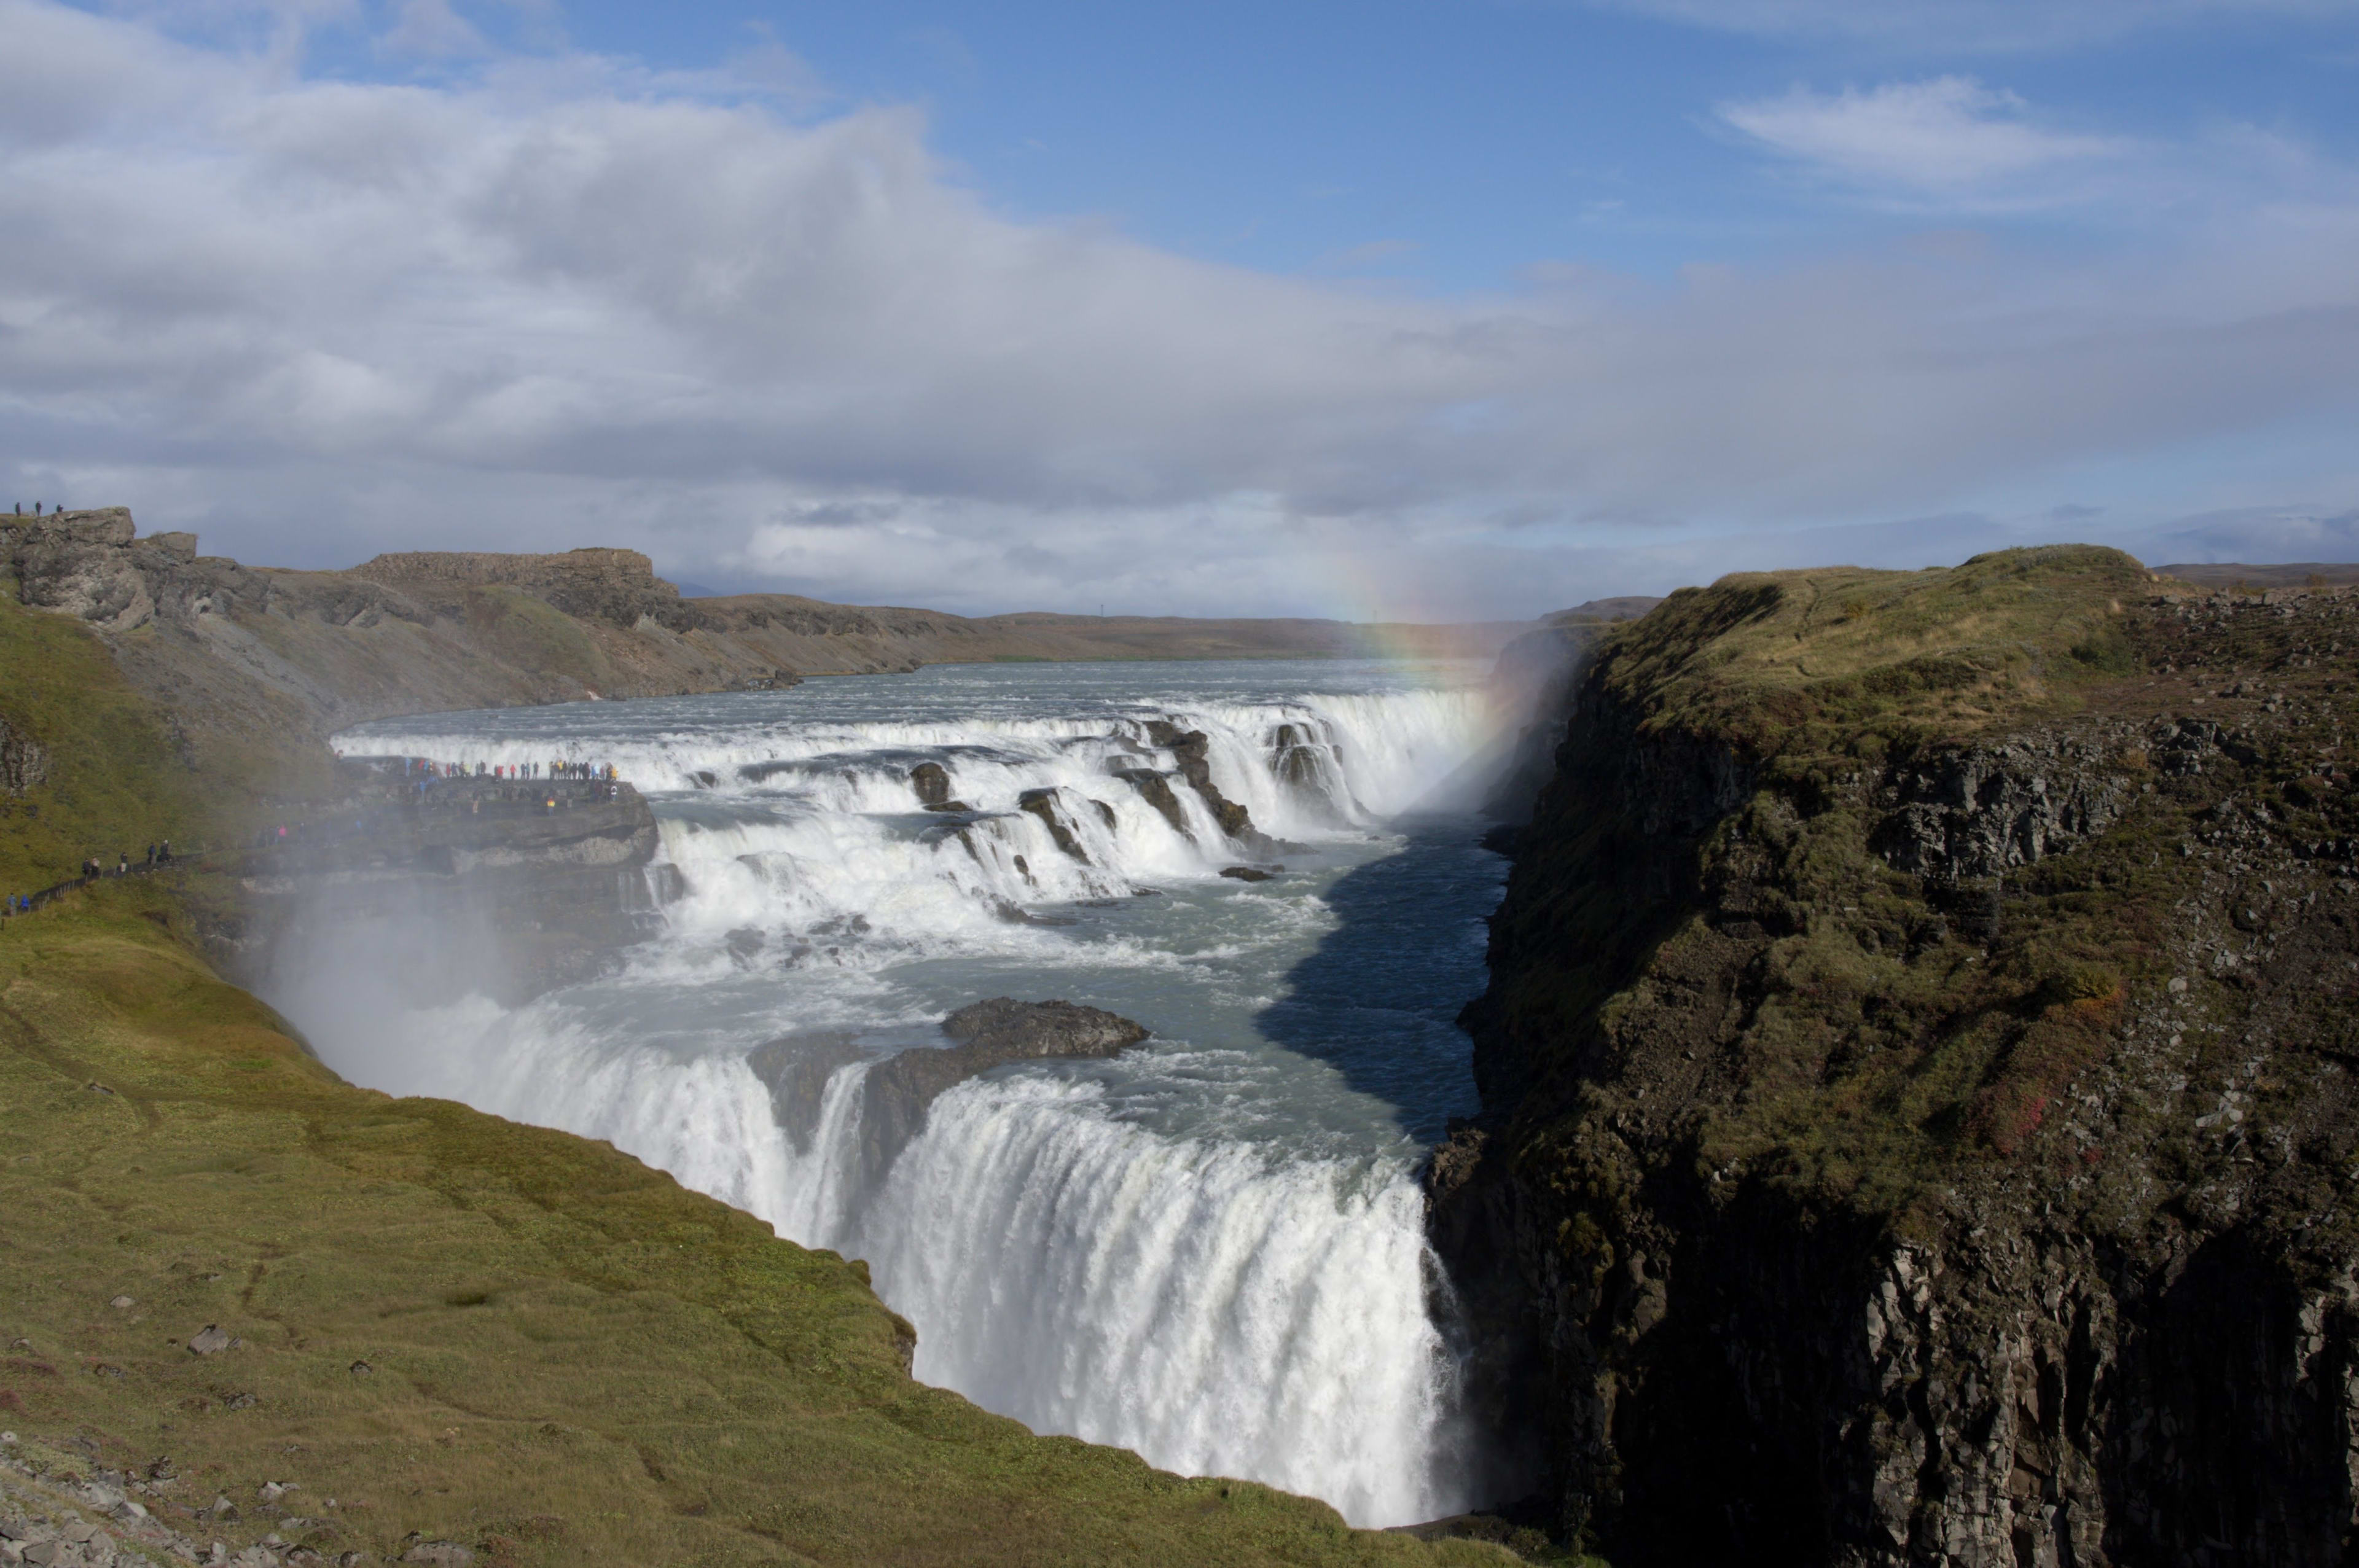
x=990, y=1035
x=1042, y=804
x=1249, y=873
x=1013, y=1031
x=1192, y=749
x=932, y=782
x=1156, y=790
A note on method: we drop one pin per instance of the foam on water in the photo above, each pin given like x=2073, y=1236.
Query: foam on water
x=1210, y=1250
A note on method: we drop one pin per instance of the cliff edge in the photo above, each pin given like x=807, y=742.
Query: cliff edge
x=1919, y=1122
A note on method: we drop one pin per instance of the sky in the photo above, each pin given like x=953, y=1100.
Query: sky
x=1390, y=310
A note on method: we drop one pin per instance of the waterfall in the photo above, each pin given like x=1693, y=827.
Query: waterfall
x=1210, y=1250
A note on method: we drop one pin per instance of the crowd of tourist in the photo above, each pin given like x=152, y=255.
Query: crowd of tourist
x=563, y=771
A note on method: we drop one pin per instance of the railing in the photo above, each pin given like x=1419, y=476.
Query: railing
x=135, y=868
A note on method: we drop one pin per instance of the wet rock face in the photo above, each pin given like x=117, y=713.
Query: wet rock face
x=2095, y=1306
x=1191, y=749
x=931, y=781
x=1043, y=803
x=1005, y=1030
x=1156, y=790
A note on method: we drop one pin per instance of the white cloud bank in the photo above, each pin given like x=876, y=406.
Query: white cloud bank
x=560, y=301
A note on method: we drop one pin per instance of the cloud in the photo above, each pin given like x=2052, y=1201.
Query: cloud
x=1948, y=137
x=555, y=300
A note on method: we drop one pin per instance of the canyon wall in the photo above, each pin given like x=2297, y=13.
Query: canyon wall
x=1919, y=1122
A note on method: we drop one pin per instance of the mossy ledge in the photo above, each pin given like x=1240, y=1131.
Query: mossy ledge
x=471, y=1335
x=1920, y=1126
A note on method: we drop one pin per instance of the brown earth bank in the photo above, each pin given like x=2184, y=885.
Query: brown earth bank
x=1918, y=1069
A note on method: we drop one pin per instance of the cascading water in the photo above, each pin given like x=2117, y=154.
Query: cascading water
x=1209, y=1250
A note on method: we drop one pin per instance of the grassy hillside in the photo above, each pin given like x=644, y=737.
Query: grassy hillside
x=451, y=1325
x=114, y=785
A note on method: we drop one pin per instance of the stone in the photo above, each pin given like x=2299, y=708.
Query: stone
x=1191, y=749
x=931, y=781
x=123, y=1303
x=363, y=1370
x=209, y=1340
x=24, y=762
x=1042, y=804
x=1248, y=874
x=440, y=1554
x=989, y=1034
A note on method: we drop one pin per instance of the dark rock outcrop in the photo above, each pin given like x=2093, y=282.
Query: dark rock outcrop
x=1977, y=812
x=1156, y=790
x=1191, y=749
x=931, y=781
x=24, y=762
x=1043, y=803
x=1934, y=1151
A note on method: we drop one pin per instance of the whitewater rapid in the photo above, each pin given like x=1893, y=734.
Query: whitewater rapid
x=1210, y=1250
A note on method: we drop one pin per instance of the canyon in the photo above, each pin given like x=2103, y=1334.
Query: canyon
x=1915, y=1123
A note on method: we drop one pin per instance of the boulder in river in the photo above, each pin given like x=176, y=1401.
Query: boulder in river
x=931, y=781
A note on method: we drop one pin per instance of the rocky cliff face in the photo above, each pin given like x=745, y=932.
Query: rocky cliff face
x=1920, y=1126
x=618, y=587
